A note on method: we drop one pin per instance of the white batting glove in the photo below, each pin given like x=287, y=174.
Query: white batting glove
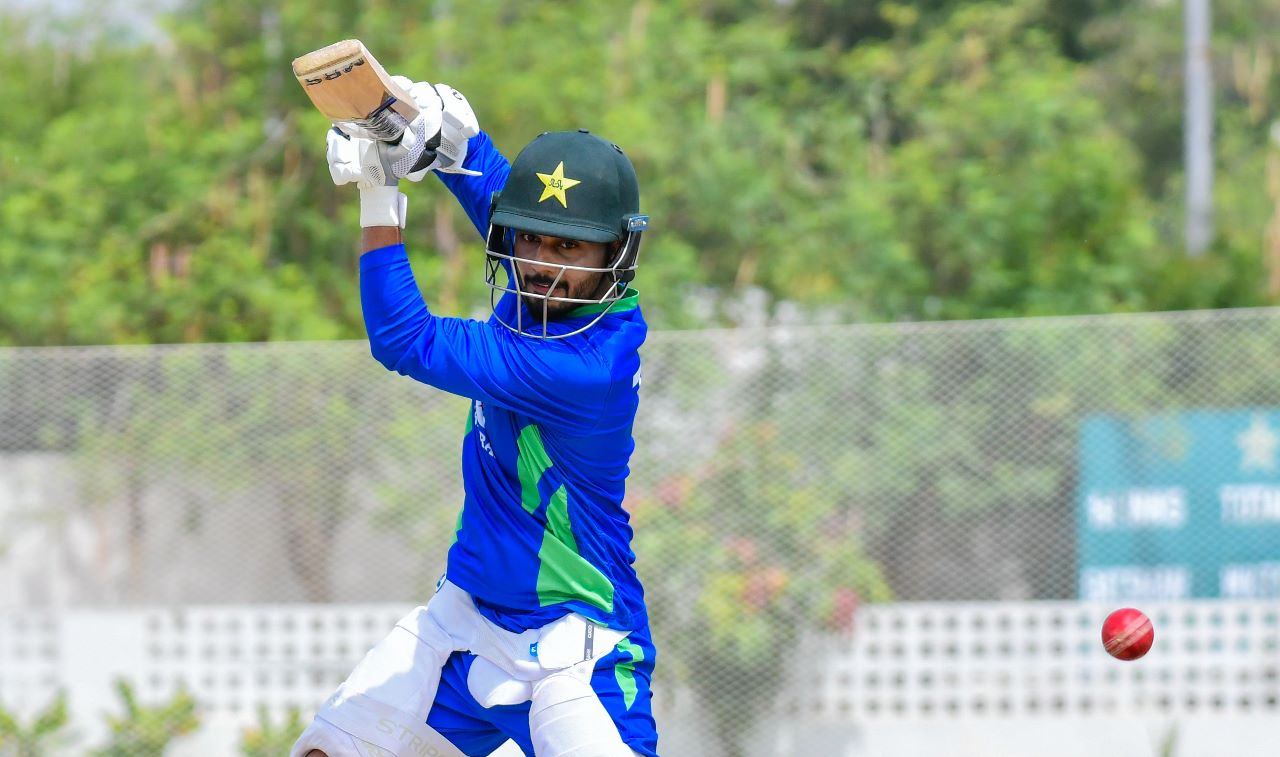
x=450, y=121
x=397, y=158
x=410, y=157
x=434, y=141
x=360, y=161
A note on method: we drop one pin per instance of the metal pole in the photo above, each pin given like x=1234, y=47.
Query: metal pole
x=1198, y=126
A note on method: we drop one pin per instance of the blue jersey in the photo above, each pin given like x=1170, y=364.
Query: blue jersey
x=542, y=530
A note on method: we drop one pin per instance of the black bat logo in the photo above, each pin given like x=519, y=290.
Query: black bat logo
x=334, y=74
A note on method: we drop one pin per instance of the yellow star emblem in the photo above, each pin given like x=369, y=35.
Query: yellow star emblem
x=555, y=185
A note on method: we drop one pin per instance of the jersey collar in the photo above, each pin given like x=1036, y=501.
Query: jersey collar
x=630, y=300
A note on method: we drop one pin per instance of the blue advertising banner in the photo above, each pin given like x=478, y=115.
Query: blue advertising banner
x=1180, y=505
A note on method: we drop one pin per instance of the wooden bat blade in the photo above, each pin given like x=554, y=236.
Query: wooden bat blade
x=348, y=85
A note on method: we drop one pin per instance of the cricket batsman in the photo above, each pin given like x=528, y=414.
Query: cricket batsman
x=538, y=631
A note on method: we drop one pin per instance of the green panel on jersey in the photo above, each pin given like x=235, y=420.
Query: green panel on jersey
x=625, y=672
x=562, y=574
x=531, y=464
x=558, y=519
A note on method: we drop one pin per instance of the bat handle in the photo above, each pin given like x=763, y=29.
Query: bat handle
x=384, y=124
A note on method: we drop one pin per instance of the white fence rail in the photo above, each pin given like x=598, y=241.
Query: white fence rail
x=956, y=677
x=948, y=660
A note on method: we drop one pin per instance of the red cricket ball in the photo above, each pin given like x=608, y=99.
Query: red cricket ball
x=1127, y=634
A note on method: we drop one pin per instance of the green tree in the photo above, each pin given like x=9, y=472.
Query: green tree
x=928, y=159
x=1138, y=79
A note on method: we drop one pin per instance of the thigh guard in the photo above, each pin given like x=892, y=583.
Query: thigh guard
x=386, y=699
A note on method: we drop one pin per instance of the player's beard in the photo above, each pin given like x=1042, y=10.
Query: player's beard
x=587, y=289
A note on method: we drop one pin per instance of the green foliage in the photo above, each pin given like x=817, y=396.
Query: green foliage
x=990, y=186
x=44, y=736
x=880, y=160
x=1138, y=77
x=269, y=740
x=146, y=731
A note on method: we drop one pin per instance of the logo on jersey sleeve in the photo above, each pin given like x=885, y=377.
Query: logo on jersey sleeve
x=478, y=417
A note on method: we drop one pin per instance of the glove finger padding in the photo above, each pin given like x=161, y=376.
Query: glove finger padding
x=400, y=160
x=343, y=154
x=355, y=160
x=448, y=110
x=429, y=113
x=458, y=125
x=431, y=108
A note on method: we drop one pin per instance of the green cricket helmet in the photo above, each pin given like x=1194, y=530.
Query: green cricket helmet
x=571, y=185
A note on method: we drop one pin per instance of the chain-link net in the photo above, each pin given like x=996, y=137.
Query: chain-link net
x=786, y=483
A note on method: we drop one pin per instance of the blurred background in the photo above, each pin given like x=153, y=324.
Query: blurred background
x=963, y=336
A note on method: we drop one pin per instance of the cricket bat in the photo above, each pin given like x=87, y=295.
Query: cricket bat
x=349, y=86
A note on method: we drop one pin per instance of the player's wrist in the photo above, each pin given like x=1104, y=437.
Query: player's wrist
x=378, y=237
x=382, y=206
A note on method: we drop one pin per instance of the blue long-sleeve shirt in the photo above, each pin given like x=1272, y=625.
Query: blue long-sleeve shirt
x=545, y=455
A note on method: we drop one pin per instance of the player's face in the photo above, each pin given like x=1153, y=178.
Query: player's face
x=541, y=258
